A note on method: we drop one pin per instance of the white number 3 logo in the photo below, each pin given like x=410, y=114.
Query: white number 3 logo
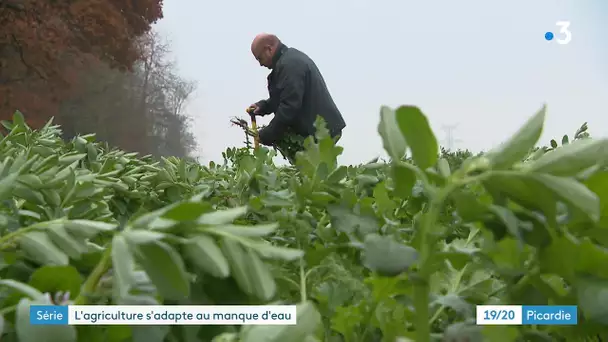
x=564, y=25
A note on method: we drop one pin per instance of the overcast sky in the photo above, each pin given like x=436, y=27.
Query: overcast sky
x=483, y=65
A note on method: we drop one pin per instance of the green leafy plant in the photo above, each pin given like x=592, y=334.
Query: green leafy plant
x=288, y=146
x=397, y=251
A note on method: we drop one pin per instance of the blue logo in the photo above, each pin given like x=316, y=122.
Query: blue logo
x=49, y=315
x=549, y=315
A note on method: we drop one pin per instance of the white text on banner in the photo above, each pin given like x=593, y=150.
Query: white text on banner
x=165, y=315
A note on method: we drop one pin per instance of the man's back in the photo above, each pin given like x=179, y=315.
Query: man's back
x=316, y=99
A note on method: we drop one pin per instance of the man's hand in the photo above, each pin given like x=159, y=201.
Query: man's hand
x=255, y=109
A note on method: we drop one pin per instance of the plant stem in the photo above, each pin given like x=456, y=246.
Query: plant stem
x=421, y=286
x=91, y=283
x=303, y=296
x=421, y=304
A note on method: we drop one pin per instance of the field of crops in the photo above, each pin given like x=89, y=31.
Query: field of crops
x=397, y=251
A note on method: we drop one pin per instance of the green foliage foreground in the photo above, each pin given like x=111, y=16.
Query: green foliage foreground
x=396, y=251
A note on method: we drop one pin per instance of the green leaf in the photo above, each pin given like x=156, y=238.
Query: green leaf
x=523, y=189
x=71, y=245
x=591, y=259
x=322, y=197
x=222, y=216
x=116, y=333
x=573, y=193
x=87, y=228
x=226, y=337
x=535, y=228
x=165, y=268
x=27, y=332
x=443, y=167
x=142, y=236
x=239, y=264
x=71, y=158
x=593, y=299
x=7, y=184
x=62, y=175
x=537, y=154
x=204, y=252
x=7, y=124
x=122, y=263
x=32, y=196
x=142, y=220
x=386, y=256
x=267, y=250
x=453, y=301
x=462, y=331
x=344, y=220
x=245, y=231
x=508, y=219
x=383, y=201
x=308, y=319
x=53, y=279
x=39, y=247
x=337, y=175
x=261, y=278
x=572, y=158
x=581, y=258
x=25, y=289
x=157, y=333
x=186, y=211
x=404, y=179
x=418, y=135
x=392, y=139
x=518, y=146
x=130, y=299
x=508, y=256
x=18, y=119
x=598, y=183
x=468, y=205
x=31, y=181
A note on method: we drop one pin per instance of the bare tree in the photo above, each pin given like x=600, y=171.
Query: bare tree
x=142, y=110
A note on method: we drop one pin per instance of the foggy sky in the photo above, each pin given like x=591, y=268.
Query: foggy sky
x=483, y=65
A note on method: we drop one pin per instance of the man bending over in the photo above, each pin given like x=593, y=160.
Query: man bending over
x=298, y=93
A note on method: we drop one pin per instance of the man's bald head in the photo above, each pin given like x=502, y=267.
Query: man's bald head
x=263, y=48
x=264, y=39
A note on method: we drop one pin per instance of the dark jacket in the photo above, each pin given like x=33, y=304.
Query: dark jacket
x=298, y=94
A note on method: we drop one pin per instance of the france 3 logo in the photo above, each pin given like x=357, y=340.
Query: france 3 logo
x=564, y=36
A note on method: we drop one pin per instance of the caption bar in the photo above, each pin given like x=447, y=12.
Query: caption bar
x=163, y=315
x=527, y=315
